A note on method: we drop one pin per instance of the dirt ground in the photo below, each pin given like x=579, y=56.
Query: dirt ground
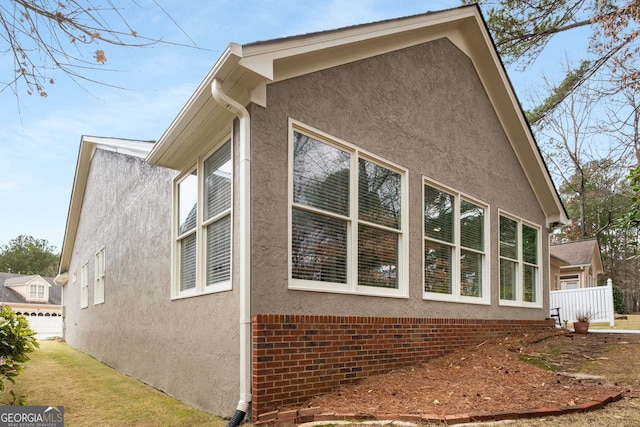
x=498, y=376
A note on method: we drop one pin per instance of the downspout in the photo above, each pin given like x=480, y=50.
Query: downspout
x=244, y=269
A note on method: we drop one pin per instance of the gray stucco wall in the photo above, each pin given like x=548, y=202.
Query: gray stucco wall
x=189, y=347
x=423, y=108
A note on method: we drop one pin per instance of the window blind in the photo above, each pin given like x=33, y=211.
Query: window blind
x=379, y=194
x=377, y=257
x=529, y=244
x=437, y=268
x=188, y=262
x=219, y=251
x=217, y=185
x=508, y=238
x=438, y=214
x=320, y=175
x=471, y=226
x=187, y=203
x=319, y=247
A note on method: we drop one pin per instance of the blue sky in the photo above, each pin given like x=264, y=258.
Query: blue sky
x=39, y=137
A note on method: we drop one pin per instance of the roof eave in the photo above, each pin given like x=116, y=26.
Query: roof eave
x=88, y=146
x=245, y=71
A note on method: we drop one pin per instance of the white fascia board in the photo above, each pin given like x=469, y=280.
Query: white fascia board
x=200, y=102
x=262, y=57
x=124, y=146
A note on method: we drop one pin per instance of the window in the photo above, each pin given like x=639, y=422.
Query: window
x=569, y=282
x=36, y=291
x=98, y=294
x=347, y=218
x=203, y=228
x=455, y=240
x=520, y=249
x=84, y=286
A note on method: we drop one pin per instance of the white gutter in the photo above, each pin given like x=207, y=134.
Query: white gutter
x=244, y=194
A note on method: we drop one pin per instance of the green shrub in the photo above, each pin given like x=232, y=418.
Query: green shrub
x=16, y=341
x=618, y=300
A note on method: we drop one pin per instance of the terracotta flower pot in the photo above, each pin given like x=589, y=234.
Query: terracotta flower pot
x=581, y=327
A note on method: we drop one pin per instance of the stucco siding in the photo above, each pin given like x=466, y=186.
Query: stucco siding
x=188, y=348
x=423, y=108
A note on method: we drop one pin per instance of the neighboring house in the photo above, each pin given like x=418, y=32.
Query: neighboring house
x=575, y=265
x=324, y=207
x=35, y=297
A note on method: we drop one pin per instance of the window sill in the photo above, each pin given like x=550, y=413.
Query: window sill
x=519, y=304
x=428, y=296
x=334, y=288
x=225, y=287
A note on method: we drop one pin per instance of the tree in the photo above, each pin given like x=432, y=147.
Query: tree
x=522, y=29
x=28, y=255
x=43, y=36
x=16, y=341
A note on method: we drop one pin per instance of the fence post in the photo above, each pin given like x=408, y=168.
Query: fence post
x=611, y=305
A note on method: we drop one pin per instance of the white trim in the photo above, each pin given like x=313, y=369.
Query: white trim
x=99, y=276
x=352, y=286
x=518, y=302
x=84, y=285
x=455, y=295
x=201, y=288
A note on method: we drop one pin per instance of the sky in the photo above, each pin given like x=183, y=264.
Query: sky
x=40, y=137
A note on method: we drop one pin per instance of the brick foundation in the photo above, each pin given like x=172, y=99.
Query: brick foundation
x=296, y=357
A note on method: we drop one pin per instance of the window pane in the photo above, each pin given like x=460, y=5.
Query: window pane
x=508, y=277
x=529, y=244
x=470, y=274
x=320, y=175
x=471, y=226
x=379, y=194
x=377, y=257
x=437, y=268
x=188, y=262
x=319, y=247
x=217, y=182
x=219, y=251
x=187, y=203
x=508, y=238
x=438, y=214
x=530, y=281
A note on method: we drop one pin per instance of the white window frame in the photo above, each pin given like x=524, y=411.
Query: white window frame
x=84, y=285
x=201, y=287
x=35, y=290
x=519, y=302
x=455, y=295
x=352, y=286
x=99, y=272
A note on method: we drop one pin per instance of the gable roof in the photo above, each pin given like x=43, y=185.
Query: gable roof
x=88, y=146
x=579, y=253
x=7, y=280
x=245, y=71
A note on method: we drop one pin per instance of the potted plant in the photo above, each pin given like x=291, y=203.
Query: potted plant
x=581, y=325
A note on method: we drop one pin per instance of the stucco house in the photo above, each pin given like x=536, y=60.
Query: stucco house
x=324, y=207
x=575, y=265
x=35, y=297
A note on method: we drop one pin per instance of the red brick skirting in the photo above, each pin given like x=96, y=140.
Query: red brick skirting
x=296, y=357
x=305, y=415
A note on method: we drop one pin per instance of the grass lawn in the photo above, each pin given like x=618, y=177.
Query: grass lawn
x=94, y=394
x=632, y=322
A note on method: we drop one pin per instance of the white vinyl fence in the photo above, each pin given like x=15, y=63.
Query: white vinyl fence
x=597, y=300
